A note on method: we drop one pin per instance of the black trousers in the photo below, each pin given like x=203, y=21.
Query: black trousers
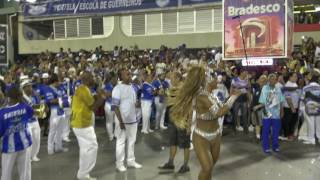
x=289, y=123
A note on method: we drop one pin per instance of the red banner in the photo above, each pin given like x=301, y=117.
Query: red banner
x=263, y=28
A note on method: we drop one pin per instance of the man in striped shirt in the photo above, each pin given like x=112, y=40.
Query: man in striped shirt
x=16, y=138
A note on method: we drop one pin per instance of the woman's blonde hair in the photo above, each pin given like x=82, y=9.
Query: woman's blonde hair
x=182, y=105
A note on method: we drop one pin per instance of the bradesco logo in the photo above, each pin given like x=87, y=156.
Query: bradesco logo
x=251, y=9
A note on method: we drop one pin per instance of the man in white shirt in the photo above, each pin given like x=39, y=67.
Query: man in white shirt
x=124, y=101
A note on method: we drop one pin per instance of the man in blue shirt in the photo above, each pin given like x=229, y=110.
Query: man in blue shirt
x=52, y=96
x=65, y=89
x=272, y=99
x=16, y=137
x=40, y=88
x=111, y=80
x=147, y=96
x=32, y=99
x=161, y=86
x=136, y=84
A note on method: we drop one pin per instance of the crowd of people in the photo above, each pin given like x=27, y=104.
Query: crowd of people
x=191, y=94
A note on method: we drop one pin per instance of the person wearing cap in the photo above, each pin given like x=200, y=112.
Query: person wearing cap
x=15, y=135
x=161, y=85
x=32, y=99
x=40, y=87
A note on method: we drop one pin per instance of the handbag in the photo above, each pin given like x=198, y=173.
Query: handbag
x=312, y=108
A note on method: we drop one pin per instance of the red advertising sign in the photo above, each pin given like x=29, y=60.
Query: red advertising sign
x=264, y=29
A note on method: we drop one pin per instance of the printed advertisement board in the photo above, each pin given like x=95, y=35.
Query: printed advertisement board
x=78, y=7
x=263, y=26
x=3, y=45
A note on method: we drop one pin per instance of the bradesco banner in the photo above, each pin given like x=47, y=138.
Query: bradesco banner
x=263, y=23
x=77, y=7
x=3, y=45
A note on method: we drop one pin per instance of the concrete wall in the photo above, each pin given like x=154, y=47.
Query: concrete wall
x=198, y=40
x=119, y=38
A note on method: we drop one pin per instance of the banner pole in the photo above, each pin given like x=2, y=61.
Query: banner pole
x=243, y=41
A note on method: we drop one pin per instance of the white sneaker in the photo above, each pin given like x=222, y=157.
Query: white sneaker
x=303, y=138
x=163, y=127
x=258, y=136
x=251, y=128
x=312, y=142
x=239, y=128
x=283, y=138
x=50, y=152
x=144, y=132
x=62, y=150
x=134, y=165
x=150, y=131
x=66, y=139
x=191, y=147
x=35, y=159
x=121, y=168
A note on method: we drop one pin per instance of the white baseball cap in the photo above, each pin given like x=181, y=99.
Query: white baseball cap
x=25, y=82
x=36, y=74
x=45, y=75
x=23, y=77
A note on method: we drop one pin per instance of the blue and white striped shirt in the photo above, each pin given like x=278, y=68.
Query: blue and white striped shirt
x=108, y=88
x=31, y=101
x=13, y=127
x=147, y=91
x=51, y=93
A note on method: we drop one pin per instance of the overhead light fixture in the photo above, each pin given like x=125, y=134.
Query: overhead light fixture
x=303, y=6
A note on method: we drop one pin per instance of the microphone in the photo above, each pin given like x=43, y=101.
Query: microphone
x=236, y=17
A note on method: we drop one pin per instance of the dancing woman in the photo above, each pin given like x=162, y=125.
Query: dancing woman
x=196, y=104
